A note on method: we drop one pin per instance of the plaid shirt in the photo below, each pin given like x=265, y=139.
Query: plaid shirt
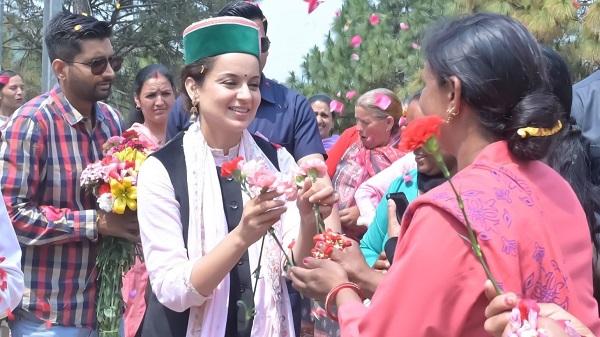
x=44, y=148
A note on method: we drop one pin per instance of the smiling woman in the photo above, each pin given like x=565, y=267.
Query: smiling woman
x=200, y=235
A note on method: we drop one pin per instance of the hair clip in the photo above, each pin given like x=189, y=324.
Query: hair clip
x=84, y=13
x=539, y=132
x=78, y=27
x=4, y=79
x=404, y=111
x=202, y=70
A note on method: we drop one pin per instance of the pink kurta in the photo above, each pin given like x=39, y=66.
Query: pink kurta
x=533, y=233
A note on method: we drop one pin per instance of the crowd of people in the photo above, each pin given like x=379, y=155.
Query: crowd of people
x=519, y=140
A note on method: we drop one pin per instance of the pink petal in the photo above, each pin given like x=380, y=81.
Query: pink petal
x=336, y=106
x=374, y=19
x=355, y=41
x=355, y=57
x=415, y=45
x=337, y=14
x=402, y=121
x=404, y=26
x=312, y=5
x=407, y=178
x=382, y=101
x=350, y=94
x=339, y=94
x=345, y=28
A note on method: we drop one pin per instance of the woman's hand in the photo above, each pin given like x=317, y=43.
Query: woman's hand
x=382, y=264
x=349, y=216
x=393, y=225
x=320, y=194
x=318, y=278
x=259, y=215
x=498, y=316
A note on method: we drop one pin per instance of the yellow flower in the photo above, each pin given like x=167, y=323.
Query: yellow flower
x=130, y=154
x=124, y=193
x=118, y=5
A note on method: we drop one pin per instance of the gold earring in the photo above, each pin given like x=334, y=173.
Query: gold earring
x=194, y=109
x=451, y=114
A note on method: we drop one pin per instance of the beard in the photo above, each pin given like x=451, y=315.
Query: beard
x=91, y=92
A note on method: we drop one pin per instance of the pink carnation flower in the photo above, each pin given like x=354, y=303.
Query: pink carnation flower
x=313, y=164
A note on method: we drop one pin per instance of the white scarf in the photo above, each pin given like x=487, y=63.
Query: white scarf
x=208, y=227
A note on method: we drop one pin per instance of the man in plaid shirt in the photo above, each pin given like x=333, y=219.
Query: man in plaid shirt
x=44, y=148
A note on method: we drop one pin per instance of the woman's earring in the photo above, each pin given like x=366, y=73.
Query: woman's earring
x=138, y=109
x=194, y=110
x=451, y=114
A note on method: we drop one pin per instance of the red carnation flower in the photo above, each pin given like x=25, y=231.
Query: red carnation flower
x=525, y=305
x=418, y=132
x=229, y=167
x=104, y=188
x=130, y=134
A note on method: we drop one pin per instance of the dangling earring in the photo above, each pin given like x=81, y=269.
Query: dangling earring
x=451, y=114
x=138, y=109
x=194, y=110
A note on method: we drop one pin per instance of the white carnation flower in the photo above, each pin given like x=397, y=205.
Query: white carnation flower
x=105, y=202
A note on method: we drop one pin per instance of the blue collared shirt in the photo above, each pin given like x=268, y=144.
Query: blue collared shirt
x=284, y=117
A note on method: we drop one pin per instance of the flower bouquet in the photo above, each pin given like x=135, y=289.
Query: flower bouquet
x=113, y=181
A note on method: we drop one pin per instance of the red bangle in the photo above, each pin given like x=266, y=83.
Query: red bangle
x=333, y=293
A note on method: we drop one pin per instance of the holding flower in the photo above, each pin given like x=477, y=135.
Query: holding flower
x=113, y=181
x=509, y=199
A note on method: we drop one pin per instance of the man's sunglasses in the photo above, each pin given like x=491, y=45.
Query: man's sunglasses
x=98, y=65
x=265, y=43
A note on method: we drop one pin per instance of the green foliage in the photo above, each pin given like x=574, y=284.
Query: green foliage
x=145, y=32
x=387, y=58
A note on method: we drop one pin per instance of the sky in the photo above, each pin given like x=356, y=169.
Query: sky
x=293, y=32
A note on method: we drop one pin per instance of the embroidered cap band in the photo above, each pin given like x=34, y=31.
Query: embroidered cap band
x=539, y=132
x=221, y=35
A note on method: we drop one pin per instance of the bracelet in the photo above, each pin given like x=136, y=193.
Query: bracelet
x=333, y=293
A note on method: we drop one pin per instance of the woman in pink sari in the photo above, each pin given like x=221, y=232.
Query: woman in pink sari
x=377, y=114
x=501, y=120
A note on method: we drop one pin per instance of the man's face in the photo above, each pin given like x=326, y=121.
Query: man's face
x=79, y=77
x=263, y=56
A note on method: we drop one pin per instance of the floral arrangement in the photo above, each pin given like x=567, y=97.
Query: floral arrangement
x=113, y=181
x=423, y=132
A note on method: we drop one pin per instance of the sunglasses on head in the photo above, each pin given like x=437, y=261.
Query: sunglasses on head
x=265, y=43
x=98, y=65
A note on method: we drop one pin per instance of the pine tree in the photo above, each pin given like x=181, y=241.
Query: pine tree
x=389, y=55
x=570, y=27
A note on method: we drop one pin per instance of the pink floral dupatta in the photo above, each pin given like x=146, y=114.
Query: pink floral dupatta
x=359, y=164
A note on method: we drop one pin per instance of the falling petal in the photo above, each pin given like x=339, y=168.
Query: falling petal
x=407, y=178
x=382, y=101
x=415, y=45
x=48, y=324
x=339, y=94
x=374, y=19
x=345, y=28
x=402, y=121
x=337, y=14
x=355, y=57
x=336, y=106
x=404, y=26
x=350, y=94
x=576, y=4
x=355, y=41
x=118, y=5
x=312, y=5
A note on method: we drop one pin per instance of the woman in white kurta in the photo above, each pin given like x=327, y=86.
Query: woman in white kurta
x=222, y=82
x=11, y=276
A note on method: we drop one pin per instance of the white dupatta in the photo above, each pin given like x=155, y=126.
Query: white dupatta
x=208, y=227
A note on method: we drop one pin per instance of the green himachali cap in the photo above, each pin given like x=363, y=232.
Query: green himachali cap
x=221, y=35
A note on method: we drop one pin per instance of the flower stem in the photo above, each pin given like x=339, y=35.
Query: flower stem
x=472, y=237
x=257, y=270
x=289, y=261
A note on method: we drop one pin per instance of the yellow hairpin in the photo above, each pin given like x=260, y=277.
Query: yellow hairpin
x=78, y=27
x=539, y=132
x=404, y=111
x=202, y=70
